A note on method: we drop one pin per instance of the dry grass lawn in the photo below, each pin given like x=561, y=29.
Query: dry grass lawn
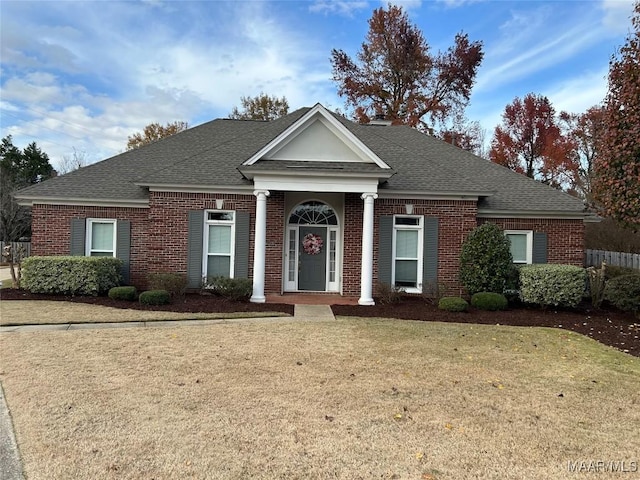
x=348, y=399
x=27, y=312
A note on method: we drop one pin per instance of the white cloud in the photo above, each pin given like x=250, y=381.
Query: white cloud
x=340, y=7
x=578, y=94
x=616, y=15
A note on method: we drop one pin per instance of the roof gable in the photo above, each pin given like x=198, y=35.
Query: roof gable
x=317, y=137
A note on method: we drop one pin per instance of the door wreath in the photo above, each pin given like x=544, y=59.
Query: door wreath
x=312, y=244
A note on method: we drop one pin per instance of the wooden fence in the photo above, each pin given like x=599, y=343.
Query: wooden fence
x=619, y=259
x=14, y=248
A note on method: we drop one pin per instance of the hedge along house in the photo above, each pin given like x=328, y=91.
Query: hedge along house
x=310, y=202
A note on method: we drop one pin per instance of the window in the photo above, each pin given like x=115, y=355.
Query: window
x=521, y=245
x=101, y=238
x=407, y=253
x=219, y=244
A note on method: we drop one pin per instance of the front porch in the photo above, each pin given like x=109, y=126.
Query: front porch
x=312, y=299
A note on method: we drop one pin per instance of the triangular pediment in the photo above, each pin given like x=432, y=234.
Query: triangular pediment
x=317, y=137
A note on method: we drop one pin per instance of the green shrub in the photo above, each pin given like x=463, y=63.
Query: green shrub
x=389, y=294
x=486, y=263
x=231, y=288
x=71, y=275
x=123, y=293
x=155, y=297
x=174, y=283
x=613, y=271
x=453, y=304
x=489, y=301
x=624, y=292
x=547, y=284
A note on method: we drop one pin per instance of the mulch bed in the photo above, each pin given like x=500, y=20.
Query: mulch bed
x=607, y=325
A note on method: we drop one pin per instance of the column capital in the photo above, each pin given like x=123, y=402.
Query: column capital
x=261, y=192
x=371, y=195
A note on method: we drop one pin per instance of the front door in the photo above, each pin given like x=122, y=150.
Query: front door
x=312, y=258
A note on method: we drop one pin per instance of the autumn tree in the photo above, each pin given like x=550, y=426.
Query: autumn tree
x=467, y=135
x=530, y=141
x=261, y=107
x=19, y=169
x=587, y=131
x=395, y=76
x=617, y=172
x=153, y=132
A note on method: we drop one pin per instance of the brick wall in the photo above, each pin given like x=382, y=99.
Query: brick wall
x=456, y=220
x=159, y=234
x=565, y=238
x=51, y=226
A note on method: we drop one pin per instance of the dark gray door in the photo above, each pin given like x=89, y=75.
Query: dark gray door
x=312, y=268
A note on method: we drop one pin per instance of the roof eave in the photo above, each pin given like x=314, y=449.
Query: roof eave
x=29, y=201
x=588, y=217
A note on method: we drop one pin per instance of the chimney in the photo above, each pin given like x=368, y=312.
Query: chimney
x=380, y=120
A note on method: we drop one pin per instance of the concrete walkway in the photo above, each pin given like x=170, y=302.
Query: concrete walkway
x=10, y=464
x=301, y=313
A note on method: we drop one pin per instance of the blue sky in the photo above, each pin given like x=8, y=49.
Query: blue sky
x=85, y=75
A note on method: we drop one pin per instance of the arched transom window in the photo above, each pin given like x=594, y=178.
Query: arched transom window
x=313, y=213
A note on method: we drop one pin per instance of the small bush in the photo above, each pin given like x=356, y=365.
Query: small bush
x=389, y=294
x=231, y=288
x=489, y=301
x=613, y=271
x=71, y=275
x=597, y=284
x=174, y=283
x=155, y=297
x=453, y=304
x=486, y=263
x=432, y=292
x=123, y=293
x=557, y=285
x=624, y=293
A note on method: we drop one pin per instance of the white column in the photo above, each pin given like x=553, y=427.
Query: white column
x=260, y=246
x=366, y=276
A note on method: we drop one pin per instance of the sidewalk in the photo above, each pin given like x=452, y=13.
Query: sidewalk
x=301, y=313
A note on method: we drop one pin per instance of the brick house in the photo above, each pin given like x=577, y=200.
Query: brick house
x=308, y=202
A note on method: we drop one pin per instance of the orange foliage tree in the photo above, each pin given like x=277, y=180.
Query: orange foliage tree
x=530, y=141
x=617, y=172
x=396, y=77
x=153, y=132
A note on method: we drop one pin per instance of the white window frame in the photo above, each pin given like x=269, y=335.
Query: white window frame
x=529, y=235
x=205, y=243
x=88, y=236
x=420, y=229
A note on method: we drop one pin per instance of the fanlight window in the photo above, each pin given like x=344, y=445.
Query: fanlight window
x=313, y=213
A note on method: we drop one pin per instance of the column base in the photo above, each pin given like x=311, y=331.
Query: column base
x=256, y=299
x=366, y=301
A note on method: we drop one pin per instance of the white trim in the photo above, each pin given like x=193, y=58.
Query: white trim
x=420, y=258
x=349, y=139
x=82, y=202
x=177, y=188
x=416, y=195
x=205, y=243
x=89, y=237
x=529, y=246
x=564, y=215
x=316, y=183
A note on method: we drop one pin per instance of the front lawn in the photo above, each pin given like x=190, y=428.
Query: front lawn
x=353, y=398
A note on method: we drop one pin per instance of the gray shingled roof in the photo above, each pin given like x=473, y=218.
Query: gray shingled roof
x=212, y=155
